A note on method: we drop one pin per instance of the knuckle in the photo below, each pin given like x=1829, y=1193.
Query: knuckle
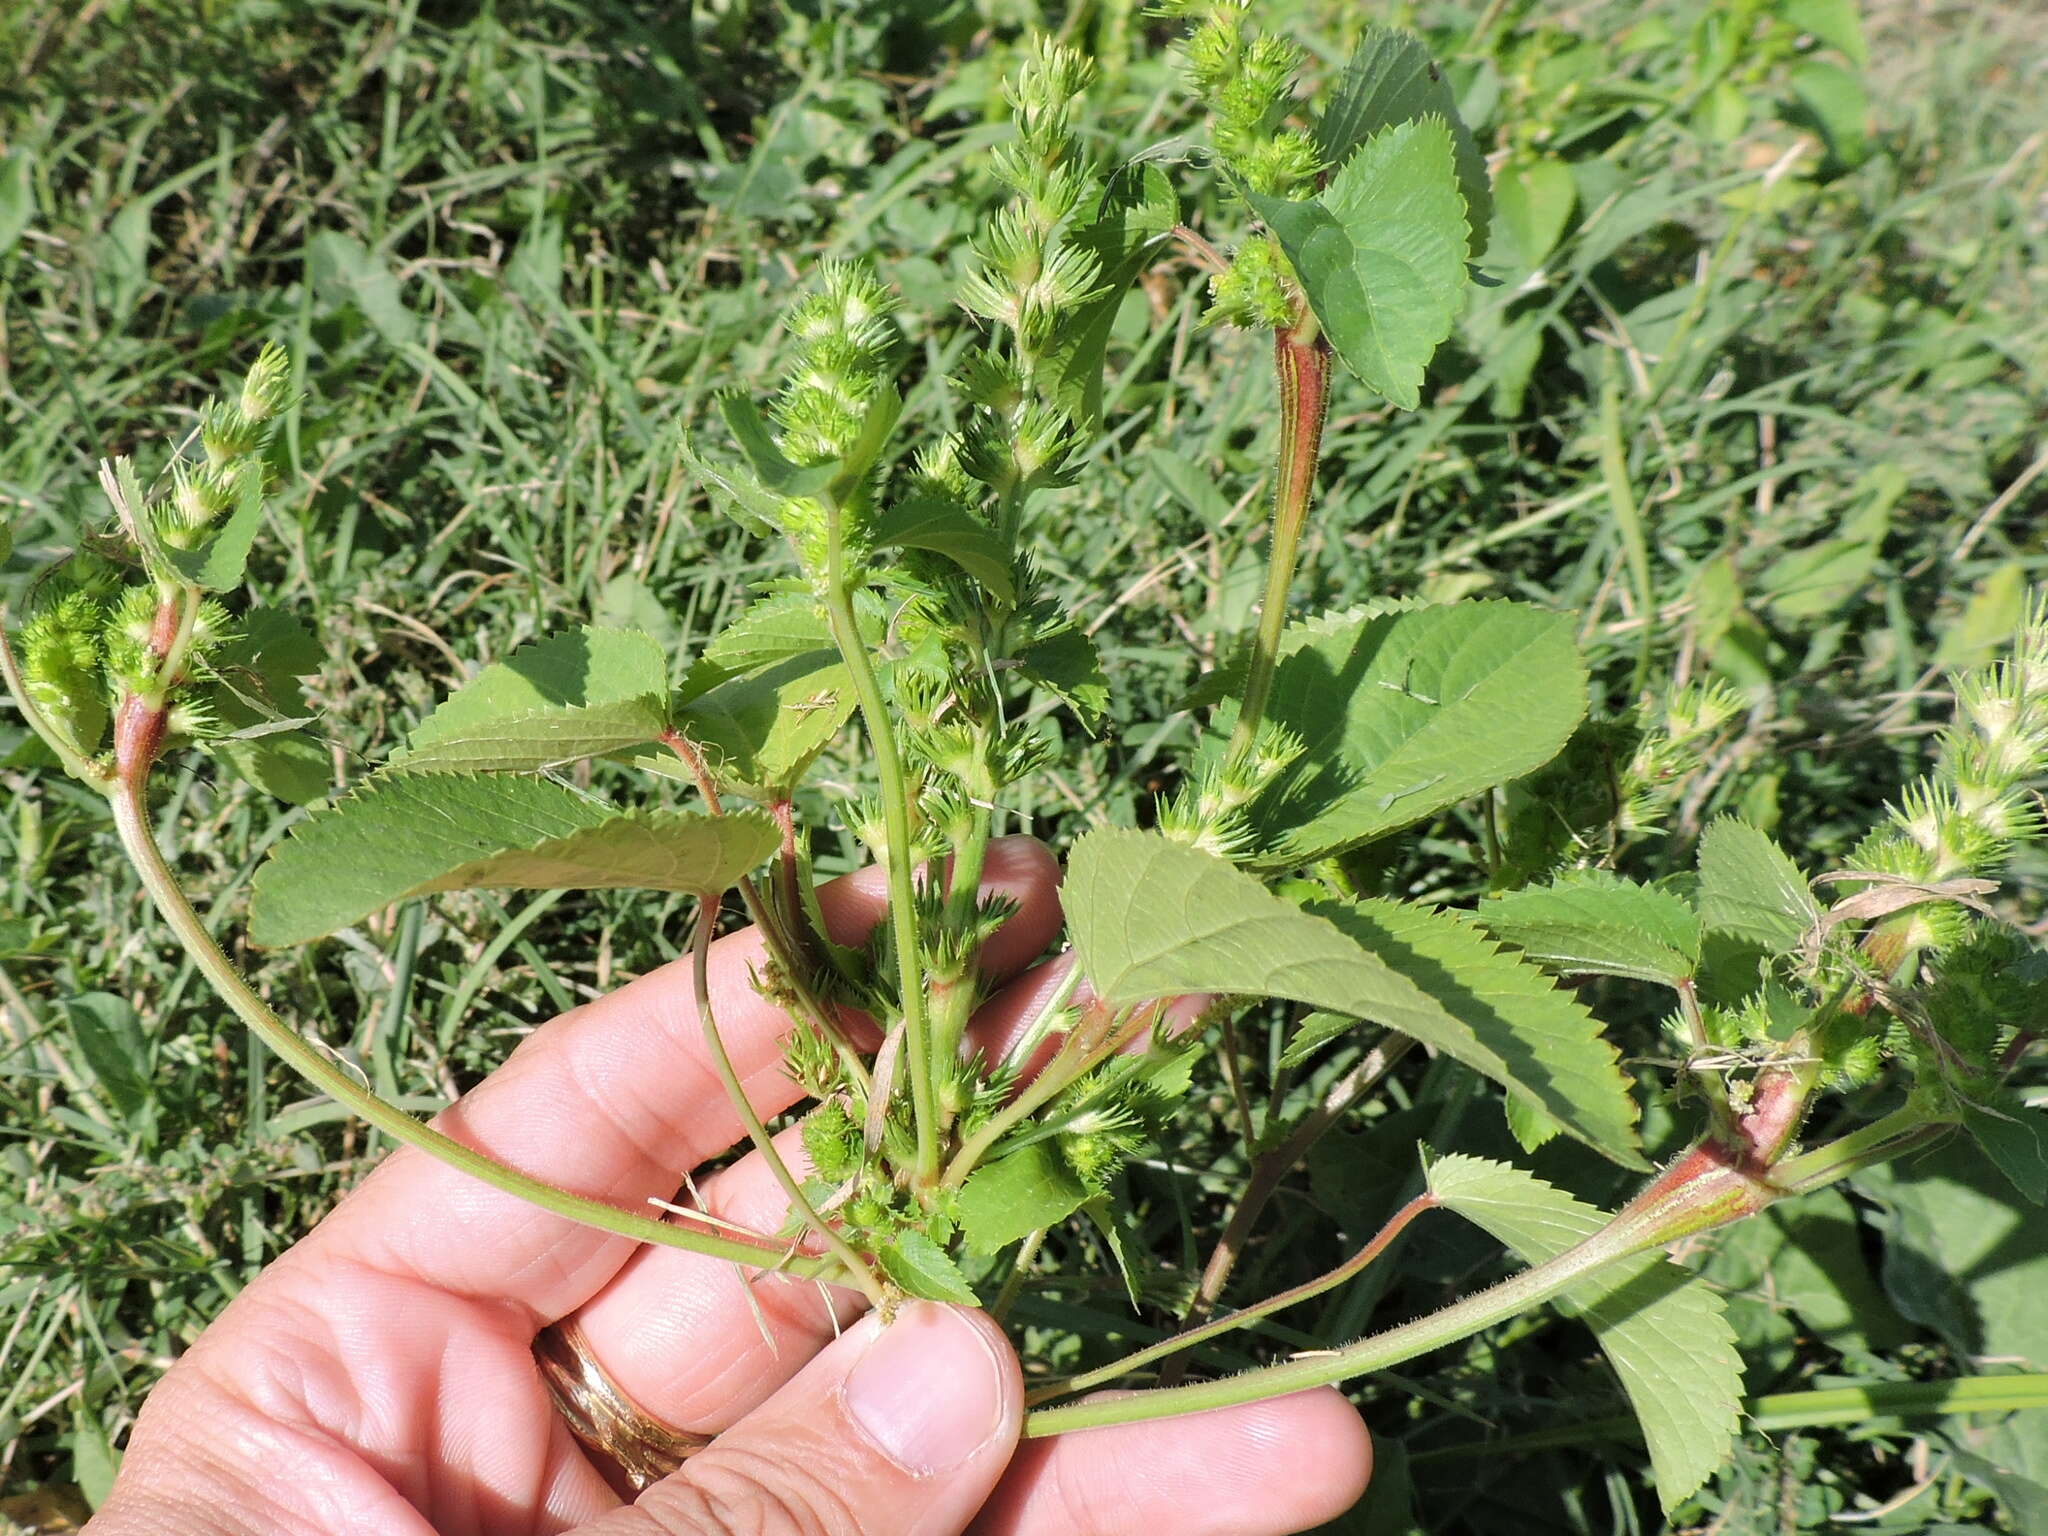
x=741, y=1493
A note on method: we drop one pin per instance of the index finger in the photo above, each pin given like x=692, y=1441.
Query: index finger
x=615, y=1100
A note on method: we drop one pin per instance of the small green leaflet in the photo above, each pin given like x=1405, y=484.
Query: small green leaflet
x=255, y=695
x=1014, y=1196
x=920, y=1267
x=1139, y=210
x=1381, y=255
x=2015, y=1138
x=1533, y=204
x=404, y=837
x=1664, y=1334
x=772, y=630
x=641, y=850
x=1590, y=922
x=760, y=731
x=1401, y=714
x=585, y=693
x=1065, y=663
x=111, y=1041
x=1392, y=79
x=1751, y=890
x=218, y=564
x=775, y=473
x=945, y=527
x=741, y=497
x=1155, y=918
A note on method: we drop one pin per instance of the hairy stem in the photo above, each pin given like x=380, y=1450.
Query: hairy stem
x=1188, y=1338
x=785, y=946
x=757, y=1133
x=1712, y=1185
x=896, y=821
x=1497, y=1303
x=1270, y=1170
x=138, y=840
x=1303, y=365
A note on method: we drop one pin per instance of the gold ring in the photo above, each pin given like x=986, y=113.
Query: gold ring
x=602, y=1416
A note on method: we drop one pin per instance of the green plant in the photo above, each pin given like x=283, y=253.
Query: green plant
x=1327, y=738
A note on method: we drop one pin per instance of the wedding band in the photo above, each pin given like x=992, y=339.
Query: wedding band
x=602, y=1416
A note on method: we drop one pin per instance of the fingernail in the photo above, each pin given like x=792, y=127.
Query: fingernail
x=928, y=1392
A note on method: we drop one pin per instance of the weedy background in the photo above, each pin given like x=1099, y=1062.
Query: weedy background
x=512, y=246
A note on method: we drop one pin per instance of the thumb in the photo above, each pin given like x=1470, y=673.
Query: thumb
x=896, y=1429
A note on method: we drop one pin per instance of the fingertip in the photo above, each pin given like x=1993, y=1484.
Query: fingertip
x=1023, y=869
x=1259, y=1469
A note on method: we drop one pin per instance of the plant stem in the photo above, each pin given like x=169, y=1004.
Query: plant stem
x=1189, y=1338
x=1274, y=1166
x=785, y=946
x=1513, y=1295
x=757, y=1133
x=1075, y=1057
x=1709, y=1186
x=138, y=839
x=1019, y=1267
x=1301, y=358
x=896, y=821
x=1794, y=1410
x=1904, y=1130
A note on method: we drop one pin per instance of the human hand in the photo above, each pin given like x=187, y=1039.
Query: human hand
x=380, y=1377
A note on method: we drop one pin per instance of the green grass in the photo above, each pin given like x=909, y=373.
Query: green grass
x=514, y=247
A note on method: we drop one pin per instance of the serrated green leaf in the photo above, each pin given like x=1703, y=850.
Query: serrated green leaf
x=584, y=693
x=774, y=472
x=295, y=766
x=1530, y=1127
x=647, y=850
x=945, y=527
x=1402, y=714
x=1139, y=209
x=1155, y=918
x=1591, y=922
x=764, y=730
x=1751, y=890
x=1663, y=1332
x=1381, y=255
x=740, y=496
x=1066, y=664
x=2015, y=1138
x=218, y=564
x=254, y=694
x=395, y=838
x=415, y=836
x=1392, y=79
x=773, y=630
x=1963, y=1256
x=1008, y=1199
x=110, y=1039
x=921, y=1268
x=1109, y=1218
